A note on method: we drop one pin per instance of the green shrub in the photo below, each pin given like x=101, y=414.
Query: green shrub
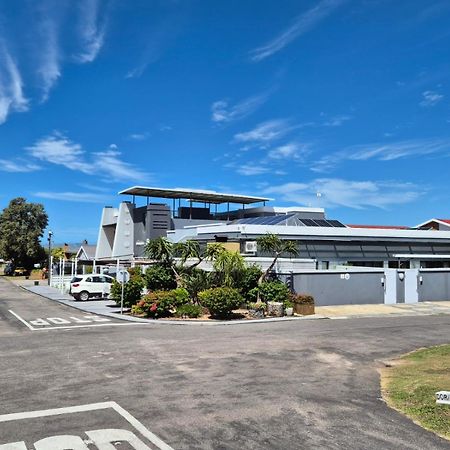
x=195, y=281
x=132, y=292
x=162, y=303
x=273, y=291
x=135, y=272
x=249, y=281
x=303, y=299
x=160, y=277
x=257, y=306
x=221, y=300
x=191, y=311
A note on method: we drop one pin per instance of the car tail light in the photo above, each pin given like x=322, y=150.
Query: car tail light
x=75, y=284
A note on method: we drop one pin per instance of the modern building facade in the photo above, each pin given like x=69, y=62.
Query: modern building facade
x=238, y=220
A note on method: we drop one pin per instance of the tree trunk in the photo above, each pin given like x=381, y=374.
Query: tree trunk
x=264, y=276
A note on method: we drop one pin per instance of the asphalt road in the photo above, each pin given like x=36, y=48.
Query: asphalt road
x=289, y=385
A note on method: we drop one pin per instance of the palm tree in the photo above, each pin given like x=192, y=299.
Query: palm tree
x=191, y=249
x=229, y=266
x=271, y=243
x=163, y=251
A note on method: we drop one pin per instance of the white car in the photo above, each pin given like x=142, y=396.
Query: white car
x=84, y=287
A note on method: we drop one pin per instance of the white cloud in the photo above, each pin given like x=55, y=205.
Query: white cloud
x=82, y=197
x=302, y=24
x=222, y=112
x=92, y=31
x=58, y=149
x=252, y=169
x=337, y=192
x=265, y=132
x=431, y=98
x=111, y=166
x=290, y=151
x=18, y=166
x=49, y=52
x=383, y=152
x=12, y=97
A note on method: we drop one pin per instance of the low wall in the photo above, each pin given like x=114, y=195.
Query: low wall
x=434, y=285
x=341, y=287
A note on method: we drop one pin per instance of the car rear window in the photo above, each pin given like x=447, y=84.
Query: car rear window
x=76, y=279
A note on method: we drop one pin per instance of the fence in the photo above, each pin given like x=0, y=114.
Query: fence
x=376, y=286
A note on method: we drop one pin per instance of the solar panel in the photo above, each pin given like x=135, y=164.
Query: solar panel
x=309, y=222
x=337, y=224
x=323, y=223
x=266, y=220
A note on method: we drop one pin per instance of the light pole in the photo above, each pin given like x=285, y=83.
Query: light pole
x=49, y=272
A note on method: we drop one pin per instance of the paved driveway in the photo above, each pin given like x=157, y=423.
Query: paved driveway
x=291, y=385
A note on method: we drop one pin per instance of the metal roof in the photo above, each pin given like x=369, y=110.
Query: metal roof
x=193, y=194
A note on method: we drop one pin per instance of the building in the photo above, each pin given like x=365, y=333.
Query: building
x=238, y=220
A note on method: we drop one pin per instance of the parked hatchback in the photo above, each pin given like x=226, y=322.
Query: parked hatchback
x=84, y=287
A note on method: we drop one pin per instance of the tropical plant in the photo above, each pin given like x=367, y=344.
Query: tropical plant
x=160, y=277
x=228, y=268
x=272, y=243
x=273, y=291
x=192, y=250
x=163, y=303
x=132, y=292
x=194, y=281
x=249, y=280
x=191, y=311
x=220, y=300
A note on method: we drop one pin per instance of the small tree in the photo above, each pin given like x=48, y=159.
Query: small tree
x=229, y=267
x=272, y=243
x=22, y=226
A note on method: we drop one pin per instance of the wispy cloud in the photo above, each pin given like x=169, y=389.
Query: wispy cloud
x=337, y=121
x=12, y=97
x=265, y=132
x=304, y=23
x=139, y=136
x=82, y=197
x=223, y=112
x=60, y=150
x=252, y=169
x=290, y=151
x=383, y=152
x=92, y=30
x=49, y=55
x=336, y=192
x=430, y=98
x=17, y=166
x=112, y=166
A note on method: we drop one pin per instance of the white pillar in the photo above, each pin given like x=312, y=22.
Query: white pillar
x=390, y=286
x=411, y=282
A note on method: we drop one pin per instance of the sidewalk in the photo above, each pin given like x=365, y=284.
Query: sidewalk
x=110, y=309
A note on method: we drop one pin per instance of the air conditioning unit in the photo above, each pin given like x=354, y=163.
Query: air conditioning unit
x=251, y=247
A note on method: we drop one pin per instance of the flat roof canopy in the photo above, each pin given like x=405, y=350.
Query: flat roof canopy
x=193, y=194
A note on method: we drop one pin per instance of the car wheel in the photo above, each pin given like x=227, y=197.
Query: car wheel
x=84, y=296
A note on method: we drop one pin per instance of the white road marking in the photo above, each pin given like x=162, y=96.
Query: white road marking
x=85, y=408
x=43, y=323
x=22, y=320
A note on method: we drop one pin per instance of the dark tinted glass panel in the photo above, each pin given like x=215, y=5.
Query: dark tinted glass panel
x=337, y=224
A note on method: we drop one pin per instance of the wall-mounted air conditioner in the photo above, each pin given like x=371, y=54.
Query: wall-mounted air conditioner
x=251, y=247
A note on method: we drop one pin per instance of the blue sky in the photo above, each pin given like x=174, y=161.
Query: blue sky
x=347, y=98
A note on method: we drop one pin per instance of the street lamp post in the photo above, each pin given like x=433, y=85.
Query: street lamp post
x=49, y=272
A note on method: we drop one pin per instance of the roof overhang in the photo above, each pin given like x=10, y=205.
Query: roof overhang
x=420, y=256
x=193, y=194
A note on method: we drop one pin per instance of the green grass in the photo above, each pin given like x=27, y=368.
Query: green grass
x=411, y=383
